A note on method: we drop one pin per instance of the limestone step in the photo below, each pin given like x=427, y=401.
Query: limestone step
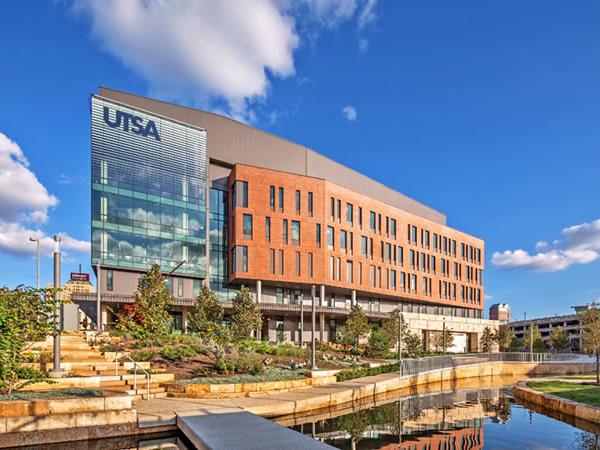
x=145, y=396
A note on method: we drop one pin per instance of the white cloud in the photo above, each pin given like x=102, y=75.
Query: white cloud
x=24, y=206
x=367, y=15
x=350, y=113
x=580, y=244
x=22, y=196
x=363, y=45
x=213, y=52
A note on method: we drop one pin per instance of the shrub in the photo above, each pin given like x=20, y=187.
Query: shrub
x=346, y=375
x=379, y=342
x=289, y=350
x=249, y=364
x=27, y=373
x=143, y=355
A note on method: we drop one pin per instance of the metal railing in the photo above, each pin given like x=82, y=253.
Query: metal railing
x=414, y=366
x=135, y=367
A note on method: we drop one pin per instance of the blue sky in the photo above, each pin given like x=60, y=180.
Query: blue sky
x=486, y=111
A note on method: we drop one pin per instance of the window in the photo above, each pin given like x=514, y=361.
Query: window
x=169, y=283
x=247, y=226
x=285, y=231
x=239, y=258
x=349, y=213
x=272, y=197
x=360, y=273
x=268, y=229
x=413, y=284
x=179, y=287
x=109, y=280
x=403, y=281
x=400, y=255
x=297, y=264
x=426, y=239
x=310, y=265
x=379, y=223
x=372, y=221
x=453, y=247
x=393, y=228
x=432, y=264
x=423, y=262
x=298, y=202
x=343, y=240
x=351, y=243
x=349, y=272
x=330, y=238
x=424, y=285
x=339, y=211
x=239, y=194
x=363, y=246
x=332, y=267
x=372, y=276
x=318, y=235
x=388, y=252
x=279, y=299
x=339, y=269
x=393, y=279
x=280, y=199
x=412, y=259
x=295, y=232
x=272, y=261
x=360, y=217
x=435, y=241
x=310, y=204
x=332, y=208
x=445, y=245
x=280, y=262
x=413, y=234
x=197, y=287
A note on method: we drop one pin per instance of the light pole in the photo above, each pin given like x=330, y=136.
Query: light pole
x=444, y=335
x=176, y=267
x=313, y=352
x=56, y=371
x=400, y=322
x=37, y=251
x=98, y=300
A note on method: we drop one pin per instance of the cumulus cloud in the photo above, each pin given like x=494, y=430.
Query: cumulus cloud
x=579, y=244
x=24, y=205
x=210, y=52
x=350, y=113
x=22, y=196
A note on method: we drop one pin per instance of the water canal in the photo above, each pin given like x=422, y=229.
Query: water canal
x=473, y=415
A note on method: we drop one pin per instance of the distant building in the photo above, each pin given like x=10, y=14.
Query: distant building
x=79, y=283
x=500, y=312
x=571, y=323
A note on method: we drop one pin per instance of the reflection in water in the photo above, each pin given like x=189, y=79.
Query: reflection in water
x=465, y=419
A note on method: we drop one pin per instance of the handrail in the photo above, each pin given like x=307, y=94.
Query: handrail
x=135, y=364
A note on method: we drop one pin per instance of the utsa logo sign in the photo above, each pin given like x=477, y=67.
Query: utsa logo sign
x=132, y=123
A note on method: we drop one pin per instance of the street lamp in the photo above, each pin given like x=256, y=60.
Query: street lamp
x=444, y=335
x=56, y=371
x=400, y=323
x=37, y=245
x=176, y=267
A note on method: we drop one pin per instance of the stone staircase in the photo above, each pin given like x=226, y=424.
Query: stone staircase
x=86, y=366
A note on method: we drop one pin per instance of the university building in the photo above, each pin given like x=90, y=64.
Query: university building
x=215, y=201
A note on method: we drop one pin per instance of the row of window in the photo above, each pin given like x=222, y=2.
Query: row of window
x=297, y=200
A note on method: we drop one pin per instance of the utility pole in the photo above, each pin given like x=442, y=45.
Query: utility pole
x=56, y=371
x=313, y=328
x=37, y=251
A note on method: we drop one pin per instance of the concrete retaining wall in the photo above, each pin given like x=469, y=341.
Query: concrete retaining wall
x=242, y=389
x=565, y=406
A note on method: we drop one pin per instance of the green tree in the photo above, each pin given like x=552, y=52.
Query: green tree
x=559, y=339
x=516, y=344
x=245, y=316
x=148, y=318
x=396, y=325
x=24, y=319
x=207, y=315
x=357, y=325
x=487, y=340
x=379, y=342
x=504, y=337
x=412, y=345
x=441, y=340
x=538, y=343
x=590, y=321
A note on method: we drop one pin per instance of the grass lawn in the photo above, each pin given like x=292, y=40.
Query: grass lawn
x=578, y=377
x=47, y=395
x=571, y=391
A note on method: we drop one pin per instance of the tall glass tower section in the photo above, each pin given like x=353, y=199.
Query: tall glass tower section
x=149, y=187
